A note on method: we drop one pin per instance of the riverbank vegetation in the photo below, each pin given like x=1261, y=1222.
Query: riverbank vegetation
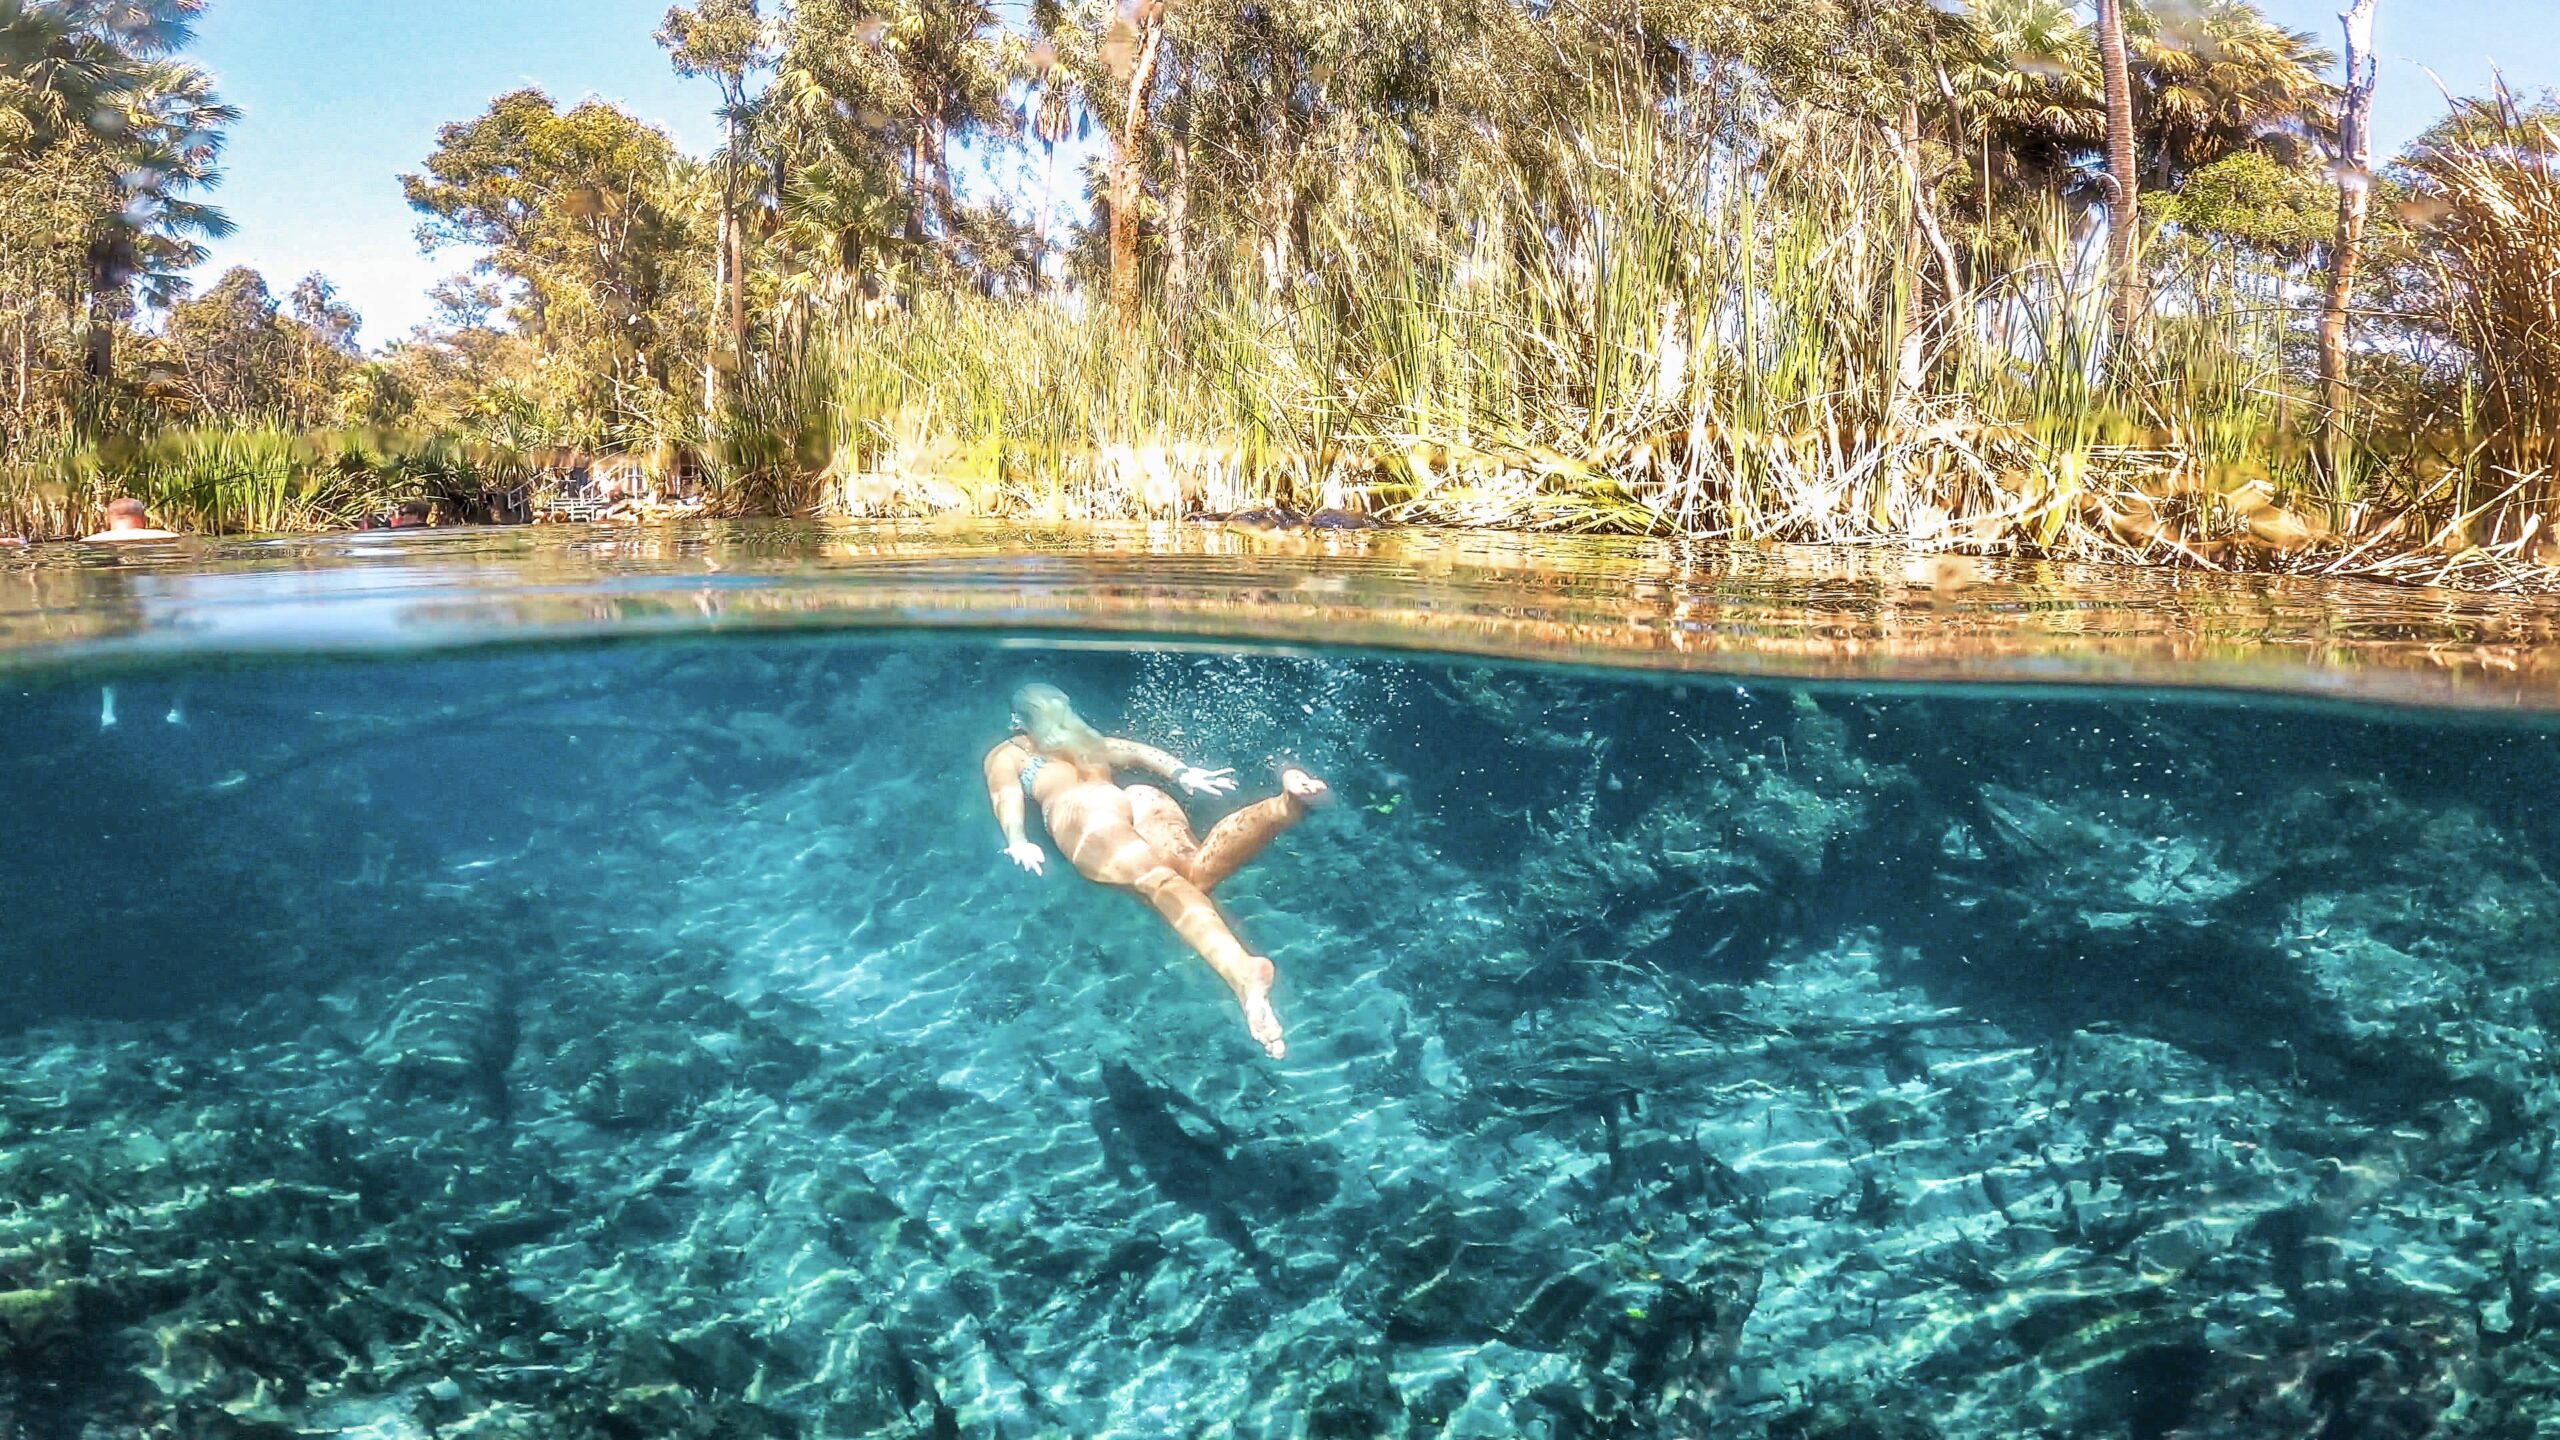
x=1848, y=270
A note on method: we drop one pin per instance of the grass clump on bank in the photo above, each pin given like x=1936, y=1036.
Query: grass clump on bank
x=255, y=481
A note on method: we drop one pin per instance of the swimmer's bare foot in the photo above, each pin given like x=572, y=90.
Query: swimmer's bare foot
x=1259, y=1017
x=1310, y=792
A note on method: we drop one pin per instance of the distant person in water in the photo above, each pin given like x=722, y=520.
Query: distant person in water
x=130, y=519
x=1138, y=837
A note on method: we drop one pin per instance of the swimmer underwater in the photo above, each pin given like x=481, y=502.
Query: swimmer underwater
x=1137, y=837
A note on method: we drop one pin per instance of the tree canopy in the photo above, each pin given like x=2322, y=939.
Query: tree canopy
x=594, y=218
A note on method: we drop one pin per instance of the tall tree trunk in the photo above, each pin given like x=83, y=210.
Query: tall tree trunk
x=1905, y=140
x=738, y=289
x=2355, y=198
x=2124, y=200
x=719, y=288
x=732, y=268
x=1177, y=223
x=1048, y=200
x=101, y=344
x=1129, y=173
x=1279, y=221
x=915, y=192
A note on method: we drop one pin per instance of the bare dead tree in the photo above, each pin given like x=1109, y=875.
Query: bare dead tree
x=2355, y=198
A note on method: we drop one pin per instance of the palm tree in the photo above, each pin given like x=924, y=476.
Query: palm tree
x=2205, y=81
x=162, y=134
x=2026, y=93
x=2222, y=78
x=892, y=85
x=61, y=61
x=2124, y=218
x=97, y=74
x=839, y=224
x=1051, y=116
x=46, y=81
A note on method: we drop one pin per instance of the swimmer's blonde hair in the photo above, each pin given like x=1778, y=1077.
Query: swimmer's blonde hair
x=1051, y=721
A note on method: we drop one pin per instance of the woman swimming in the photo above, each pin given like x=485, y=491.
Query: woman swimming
x=1138, y=838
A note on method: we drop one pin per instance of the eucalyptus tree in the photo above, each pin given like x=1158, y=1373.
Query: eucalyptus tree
x=1096, y=62
x=1137, y=52
x=323, y=328
x=586, y=213
x=728, y=42
x=237, y=355
x=887, y=90
x=231, y=351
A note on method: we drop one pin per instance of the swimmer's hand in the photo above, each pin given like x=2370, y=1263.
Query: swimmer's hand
x=1206, y=782
x=1026, y=854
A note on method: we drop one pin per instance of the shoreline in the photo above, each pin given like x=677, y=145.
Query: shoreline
x=2475, y=570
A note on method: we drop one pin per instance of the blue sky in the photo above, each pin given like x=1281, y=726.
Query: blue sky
x=343, y=95
x=2464, y=41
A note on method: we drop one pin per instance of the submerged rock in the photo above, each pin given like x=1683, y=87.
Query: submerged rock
x=449, y=1035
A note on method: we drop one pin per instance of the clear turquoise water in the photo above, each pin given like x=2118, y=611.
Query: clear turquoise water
x=649, y=1040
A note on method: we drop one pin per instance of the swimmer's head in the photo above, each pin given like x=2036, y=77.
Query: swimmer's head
x=1043, y=713
x=128, y=514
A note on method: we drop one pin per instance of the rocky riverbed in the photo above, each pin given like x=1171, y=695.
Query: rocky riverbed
x=650, y=1042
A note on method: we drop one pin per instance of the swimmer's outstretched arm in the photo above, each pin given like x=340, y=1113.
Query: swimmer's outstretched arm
x=1132, y=755
x=1004, y=794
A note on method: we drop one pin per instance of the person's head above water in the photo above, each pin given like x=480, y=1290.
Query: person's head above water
x=130, y=519
x=1044, y=713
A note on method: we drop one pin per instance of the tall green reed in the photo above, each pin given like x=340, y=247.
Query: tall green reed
x=254, y=481
x=1646, y=330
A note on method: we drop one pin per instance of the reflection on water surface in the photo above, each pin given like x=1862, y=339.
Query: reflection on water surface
x=1842, y=614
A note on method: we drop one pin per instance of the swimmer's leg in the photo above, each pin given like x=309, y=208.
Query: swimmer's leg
x=1193, y=916
x=1244, y=834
